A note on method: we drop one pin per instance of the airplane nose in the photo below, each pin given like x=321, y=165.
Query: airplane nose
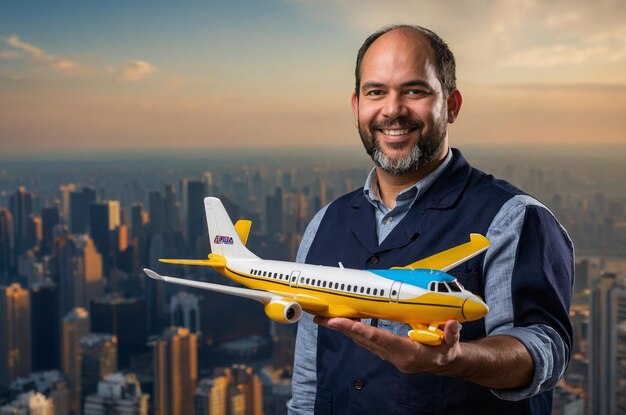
x=474, y=308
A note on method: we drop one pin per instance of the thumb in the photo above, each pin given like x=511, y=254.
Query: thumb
x=452, y=333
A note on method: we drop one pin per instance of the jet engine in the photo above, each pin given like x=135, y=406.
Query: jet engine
x=283, y=311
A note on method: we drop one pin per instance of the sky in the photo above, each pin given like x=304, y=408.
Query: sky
x=86, y=76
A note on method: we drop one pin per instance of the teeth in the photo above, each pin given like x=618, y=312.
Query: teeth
x=395, y=132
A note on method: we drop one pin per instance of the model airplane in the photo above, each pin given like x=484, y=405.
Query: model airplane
x=420, y=294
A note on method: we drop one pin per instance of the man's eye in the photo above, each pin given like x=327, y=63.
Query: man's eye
x=416, y=92
x=375, y=92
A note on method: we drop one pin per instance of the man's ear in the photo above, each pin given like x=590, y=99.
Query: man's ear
x=455, y=100
x=355, y=109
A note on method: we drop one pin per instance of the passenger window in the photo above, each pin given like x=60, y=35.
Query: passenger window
x=336, y=285
x=349, y=288
x=362, y=289
x=324, y=284
x=375, y=289
x=343, y=287
x=264, y=273
x=382, y=293
x=355, y=288
x=368, y=291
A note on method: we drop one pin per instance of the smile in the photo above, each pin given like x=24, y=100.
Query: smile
x=396, y=132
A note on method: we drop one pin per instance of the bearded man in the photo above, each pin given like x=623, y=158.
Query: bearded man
x=421, y=198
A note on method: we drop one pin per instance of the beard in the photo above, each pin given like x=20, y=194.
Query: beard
x=426, y=149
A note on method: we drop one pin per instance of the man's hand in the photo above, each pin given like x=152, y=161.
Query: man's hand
x=407, y=355
x=497, y=362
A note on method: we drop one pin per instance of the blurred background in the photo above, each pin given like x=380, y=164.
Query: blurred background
x=117, y=118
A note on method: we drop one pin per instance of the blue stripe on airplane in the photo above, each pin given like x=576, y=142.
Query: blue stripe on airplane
x=417, y=277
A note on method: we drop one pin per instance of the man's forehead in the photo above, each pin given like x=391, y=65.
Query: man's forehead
x=402, y=41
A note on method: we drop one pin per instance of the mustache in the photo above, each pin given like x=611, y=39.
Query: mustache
x=396, y=122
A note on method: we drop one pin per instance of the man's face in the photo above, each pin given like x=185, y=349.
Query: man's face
x=401, y=113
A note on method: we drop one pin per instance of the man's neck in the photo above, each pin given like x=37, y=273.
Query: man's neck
x=390, y=185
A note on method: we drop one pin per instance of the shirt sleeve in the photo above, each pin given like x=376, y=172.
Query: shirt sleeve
x=529, y=272
x=304, y=380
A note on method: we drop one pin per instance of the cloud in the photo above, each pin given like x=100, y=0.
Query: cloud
x=136, y=70
x=57, y=63
x=8, y=54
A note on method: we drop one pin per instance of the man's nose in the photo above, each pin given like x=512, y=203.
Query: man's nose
x=394, y=106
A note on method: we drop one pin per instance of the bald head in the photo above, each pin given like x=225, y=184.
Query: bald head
x=420, y=38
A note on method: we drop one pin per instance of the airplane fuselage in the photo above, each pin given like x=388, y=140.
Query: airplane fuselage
x=357, y=293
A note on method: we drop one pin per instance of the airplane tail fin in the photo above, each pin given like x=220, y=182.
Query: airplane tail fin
x=223, y=236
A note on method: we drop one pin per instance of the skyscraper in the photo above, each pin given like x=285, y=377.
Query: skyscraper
x=75, y=327
x=172, y=214
x=77, y=269
x=98, y=359
x=196, y=222
x=175, y=364
x=79, y=209
x=156, y=206
x=126, y=319
x=15, y=351
x=7, y=251
x=50, y=218
x=236, y=390
x=21, y=203
x=45, y=333
x=185, y=311
x=607, y=339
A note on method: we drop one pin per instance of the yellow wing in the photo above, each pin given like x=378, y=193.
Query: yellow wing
x=214, y=260
x=452, y=257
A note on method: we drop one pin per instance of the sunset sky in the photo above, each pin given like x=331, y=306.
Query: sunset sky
x=83, y=76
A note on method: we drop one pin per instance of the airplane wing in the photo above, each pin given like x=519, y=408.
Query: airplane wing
x=214, y=260
x=450, y=258
x=261, y=296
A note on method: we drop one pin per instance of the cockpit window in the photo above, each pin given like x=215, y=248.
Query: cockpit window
x=442, y=288
x=432, y=286
x=454, y=287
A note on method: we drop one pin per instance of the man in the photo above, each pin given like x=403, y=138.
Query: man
x=421, y=198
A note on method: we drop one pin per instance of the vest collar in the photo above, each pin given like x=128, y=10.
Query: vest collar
x=443, y=194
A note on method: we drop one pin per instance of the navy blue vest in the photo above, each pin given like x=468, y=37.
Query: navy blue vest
x=352, y=380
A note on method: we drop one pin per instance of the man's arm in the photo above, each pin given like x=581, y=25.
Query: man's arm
x=528, y=273
x=304, y=380
x=494, y=362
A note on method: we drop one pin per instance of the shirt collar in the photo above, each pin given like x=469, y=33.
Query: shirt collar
x=370, y=189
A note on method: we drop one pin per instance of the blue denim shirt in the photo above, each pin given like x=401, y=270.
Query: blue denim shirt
x=543, y=343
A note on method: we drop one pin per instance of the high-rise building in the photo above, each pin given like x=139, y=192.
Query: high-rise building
x=172, y=214
x=236, y=390
x=66, y=190
x=7, y=248
x=607, y=378
x=118, y=394
x=75, y=327
x=15, y=352
x=185, y=311
x=98, y=358
x=77, y=269
x=79, y=209
x=104, y=219
x=196, y=222
x=125, y=318
x=156, y=206
x=175, y=364
x=50, y=218
x=45, y=333
x=21, y=203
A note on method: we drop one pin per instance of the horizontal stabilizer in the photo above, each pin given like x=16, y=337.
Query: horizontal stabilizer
x=450, y=258
x=214, y=260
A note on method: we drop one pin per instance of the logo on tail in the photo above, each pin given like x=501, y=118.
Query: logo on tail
x=226, y=240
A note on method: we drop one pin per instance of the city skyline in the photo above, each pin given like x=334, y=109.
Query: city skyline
x=88, y=77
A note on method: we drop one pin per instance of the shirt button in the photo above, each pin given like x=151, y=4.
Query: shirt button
x=389, y=220
x=358, y=384
x=373, y=260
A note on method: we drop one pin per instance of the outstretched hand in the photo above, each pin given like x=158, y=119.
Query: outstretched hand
x=405, y=354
